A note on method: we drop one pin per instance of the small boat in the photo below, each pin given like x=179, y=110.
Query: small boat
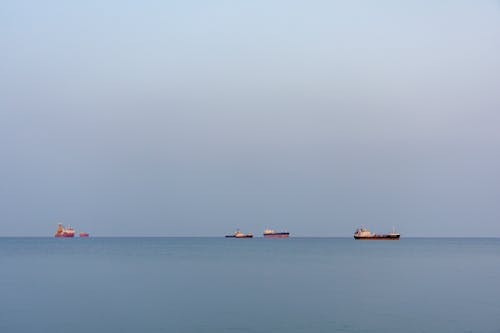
x=84, y=234
x=64, y=232
x=239, y=234
x=269, y=233
x=363, y=233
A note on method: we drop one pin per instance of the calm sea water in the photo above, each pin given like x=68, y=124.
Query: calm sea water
x=249, y=285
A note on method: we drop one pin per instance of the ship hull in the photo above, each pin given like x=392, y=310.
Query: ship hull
x=277, y=235
x=378, y=237
x=245, y=236
x=64, y=235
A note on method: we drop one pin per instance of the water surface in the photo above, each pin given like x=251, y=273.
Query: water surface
x=249, y=285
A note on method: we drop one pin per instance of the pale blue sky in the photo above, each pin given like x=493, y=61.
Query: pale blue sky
x=199, y=117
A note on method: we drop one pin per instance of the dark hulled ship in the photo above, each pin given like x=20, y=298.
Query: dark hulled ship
x=268, y=233
x=363, y=233
x=239, y=234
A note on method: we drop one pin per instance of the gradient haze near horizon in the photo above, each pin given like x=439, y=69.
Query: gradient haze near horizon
x=184, y=118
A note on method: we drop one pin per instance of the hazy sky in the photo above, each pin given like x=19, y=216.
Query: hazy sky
x=199, y=117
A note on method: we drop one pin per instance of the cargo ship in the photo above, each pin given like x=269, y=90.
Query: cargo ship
x=64, y=232
x=84, y=234
x=269, y=233
x=239, y=234
x=363, y=233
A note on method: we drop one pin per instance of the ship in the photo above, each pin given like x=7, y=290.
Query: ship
x=84, y=234
x=363, y=233
x=239, y=234
x=269, y=233
x=64, y=232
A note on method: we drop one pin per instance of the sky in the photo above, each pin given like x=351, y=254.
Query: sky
x=194, y=118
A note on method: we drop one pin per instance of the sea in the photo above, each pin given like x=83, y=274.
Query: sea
x=249, y=285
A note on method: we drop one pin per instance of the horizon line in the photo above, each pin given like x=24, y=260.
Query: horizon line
x=201, y=236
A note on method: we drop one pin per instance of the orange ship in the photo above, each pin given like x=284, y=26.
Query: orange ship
x=64, y=232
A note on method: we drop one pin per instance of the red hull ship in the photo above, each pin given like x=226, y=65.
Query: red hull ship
x=268, y=233
x=84, y=234
x=64, y=232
